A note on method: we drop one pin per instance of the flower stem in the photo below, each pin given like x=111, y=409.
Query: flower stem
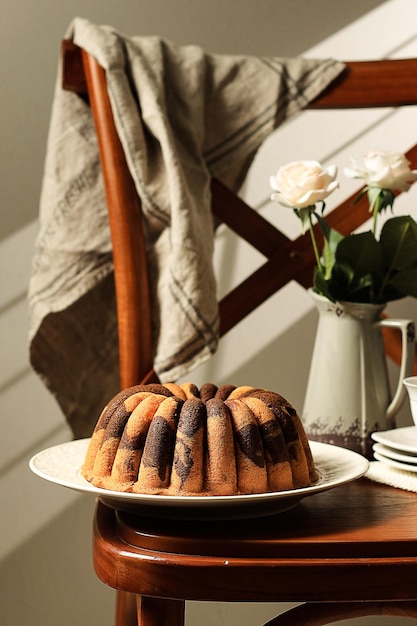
x=375, y=212
x=314, y=242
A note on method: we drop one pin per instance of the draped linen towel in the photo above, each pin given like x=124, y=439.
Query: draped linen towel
x=183, y=116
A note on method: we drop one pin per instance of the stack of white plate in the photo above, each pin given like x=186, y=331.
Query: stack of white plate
x=397, y=448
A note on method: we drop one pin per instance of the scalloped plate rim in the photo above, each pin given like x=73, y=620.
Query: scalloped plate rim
x=61, y=464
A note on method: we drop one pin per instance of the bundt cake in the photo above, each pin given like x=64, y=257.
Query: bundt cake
x=180, y=440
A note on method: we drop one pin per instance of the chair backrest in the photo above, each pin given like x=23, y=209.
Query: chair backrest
x=393, y=84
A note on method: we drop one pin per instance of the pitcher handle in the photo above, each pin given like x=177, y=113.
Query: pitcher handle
x=407, y=329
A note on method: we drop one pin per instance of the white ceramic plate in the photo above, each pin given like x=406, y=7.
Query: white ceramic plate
x=397, y=464
x=391, y=453
x=61, y=465
x=404, y=439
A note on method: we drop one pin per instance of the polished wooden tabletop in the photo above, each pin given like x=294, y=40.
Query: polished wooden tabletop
x=354, y=542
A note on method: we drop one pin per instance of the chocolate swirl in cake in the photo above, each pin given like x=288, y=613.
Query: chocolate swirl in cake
x=181, y=440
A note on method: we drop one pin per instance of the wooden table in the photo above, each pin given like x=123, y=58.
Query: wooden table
x=354, y=543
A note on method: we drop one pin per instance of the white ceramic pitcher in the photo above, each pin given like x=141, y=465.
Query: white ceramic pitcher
x=348, y=394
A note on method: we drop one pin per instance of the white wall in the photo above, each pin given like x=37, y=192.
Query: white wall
x=45, y=566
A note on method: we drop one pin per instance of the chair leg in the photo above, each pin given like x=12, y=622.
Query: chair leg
x=320, y=614
x=126, y=614
x=160, y=611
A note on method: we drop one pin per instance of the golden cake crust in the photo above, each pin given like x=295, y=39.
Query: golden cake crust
x=181, y=440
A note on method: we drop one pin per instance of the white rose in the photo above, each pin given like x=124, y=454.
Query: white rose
x=386, y=170
x=300, y=184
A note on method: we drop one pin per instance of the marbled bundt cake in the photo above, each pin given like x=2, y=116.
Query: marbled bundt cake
x=180, y=440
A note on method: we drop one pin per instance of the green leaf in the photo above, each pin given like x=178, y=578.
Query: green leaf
x=325, y=228
x=329, y=250
x=304, y=216
x=359, y=266
x=344, y=289
x=380, y=199
x=360, y=195
x=362, y=253
x=404, y=283
x=321, y=285
x=399, y=242
x=386, y=200
x=373, y=195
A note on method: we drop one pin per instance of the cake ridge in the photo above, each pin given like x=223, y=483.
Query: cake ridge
x=178, y=439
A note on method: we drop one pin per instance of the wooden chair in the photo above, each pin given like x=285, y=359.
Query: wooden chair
x=348, y=552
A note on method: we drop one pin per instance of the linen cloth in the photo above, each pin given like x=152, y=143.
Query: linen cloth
x=402, y=479
x=183, y=116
